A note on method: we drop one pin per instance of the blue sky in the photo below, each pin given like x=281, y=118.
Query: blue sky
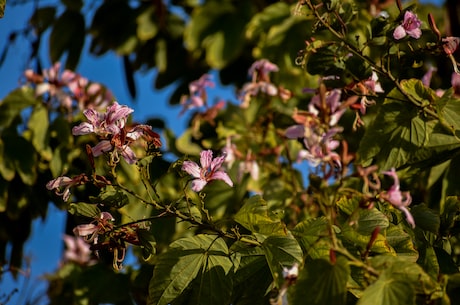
x=45, y=245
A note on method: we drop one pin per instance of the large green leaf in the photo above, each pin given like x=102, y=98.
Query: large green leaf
x=322, y=283
x=84, y=209
x=218, y=27
x=270, y=16
x=201, y=260
x=281, y=251
x=68, y=36
x=21, y=154
x=313, y=237
x=398, y=130
x=14, y=103
x=38, y=126
x=255, y=216
x=387, y=291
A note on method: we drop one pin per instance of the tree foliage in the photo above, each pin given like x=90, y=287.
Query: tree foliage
x=332, y=180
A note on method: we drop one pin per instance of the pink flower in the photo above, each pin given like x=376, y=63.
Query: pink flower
x=398, y=199
x=115, y=136
x=100, y=225
x=260, y=71
x=198, y=96
x=332, y=104
x=62, y=185
x=410, y=26
x=208, y=171
x=450, y=44
x=77, y=251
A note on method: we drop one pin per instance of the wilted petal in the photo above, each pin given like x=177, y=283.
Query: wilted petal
x=58, y=182
x=409, y=218
x=85, y=229
x=128, y=154
x=102, y=147
x=82, y=129
x=295, y=132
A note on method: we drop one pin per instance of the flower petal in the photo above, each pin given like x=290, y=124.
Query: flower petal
x=220, y=175
x=198, y=184
x=191, y=168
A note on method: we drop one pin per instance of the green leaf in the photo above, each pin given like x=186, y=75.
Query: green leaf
x=146, y=26
x=261, y=23
x=148, y=243
x=426, y=218
x=68, y=36
x=369, y=219
x=398, y=131
x=322, y=283
x=361, y=241
x=14, y=103
x=113, y=197
x=20, y=153
x=387, y=291
x=7, y=169
x=43, y=18
x=311, y=234
x=201, y=260
x=218, y=27
x=2, y=8
x=281, y=251
x=38, y=125
x=185, y=145
x=401, y=242
x=255, y=216
x=252, y=274
x=84, y=209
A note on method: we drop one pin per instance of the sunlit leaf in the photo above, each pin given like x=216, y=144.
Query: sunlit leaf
x=255, y=216
x=203, y=258
x=16, y=101
x=309, y=233
x=146, y=26
x=38, y=125
x=84, y=209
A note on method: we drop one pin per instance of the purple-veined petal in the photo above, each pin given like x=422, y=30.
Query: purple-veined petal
x=58, y=182
x=206, y=159
x=198, y=184
x=102, y=147
x=295, y=132
x=220, y=175
x=191, y=168
x=85, y=229
x=128, y=154
x=82, y=129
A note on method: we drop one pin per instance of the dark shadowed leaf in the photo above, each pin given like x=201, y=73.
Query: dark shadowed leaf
x=322, y=283
x=281, y=251
x=68, y=36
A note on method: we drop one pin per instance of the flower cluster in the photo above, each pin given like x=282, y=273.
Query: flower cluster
x=68, y=87
x=198, y=96
x=317, y=128
x=260, y=73
x=115, y=135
